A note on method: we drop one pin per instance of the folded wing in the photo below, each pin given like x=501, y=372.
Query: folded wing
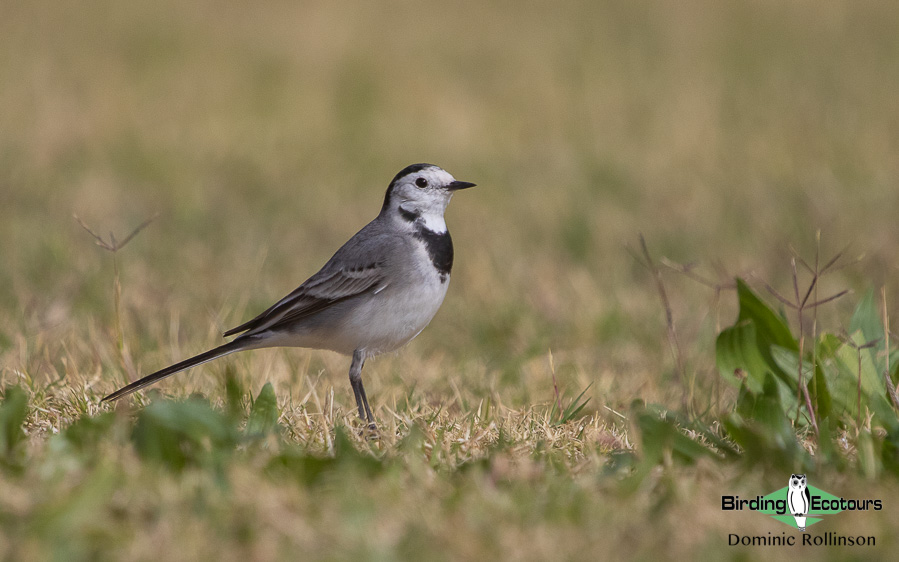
x=324, y=289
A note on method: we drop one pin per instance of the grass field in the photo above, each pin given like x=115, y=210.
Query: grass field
x=262, y=136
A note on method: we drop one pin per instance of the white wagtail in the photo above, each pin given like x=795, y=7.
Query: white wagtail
x=375, y=294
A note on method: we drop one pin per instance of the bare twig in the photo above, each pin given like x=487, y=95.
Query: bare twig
x=114, y=246
x=783, y=300
x=800, y=388
x=831, y=266
x=847, y=339
x=800, y=303
x=726, y=283
x=688, y=270
x=891, y=388
x=669, y=321
x=817, y=303
x=814, y=286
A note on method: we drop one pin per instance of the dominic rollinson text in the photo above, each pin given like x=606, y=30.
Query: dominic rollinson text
x=783, y=539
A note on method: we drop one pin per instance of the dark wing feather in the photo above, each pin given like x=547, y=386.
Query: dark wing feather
x=324, y=289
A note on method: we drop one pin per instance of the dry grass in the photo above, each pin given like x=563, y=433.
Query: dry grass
x=265, y=135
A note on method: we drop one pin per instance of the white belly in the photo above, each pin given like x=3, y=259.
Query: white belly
x=373, y=323
x=391, y=319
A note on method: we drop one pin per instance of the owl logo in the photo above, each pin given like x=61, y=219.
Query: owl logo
x=798, y=499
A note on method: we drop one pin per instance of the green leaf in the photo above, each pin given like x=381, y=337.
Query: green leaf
x=264, y=412
x=350, y=458
x=13, y=412
x=841, y=372
x=234, y=394
x=83, y=436
x=771, y=415
x=872, y=380
x=866, y=319
x=772, y=329
x=761, y=427
x=765, y=407
x=830, y=445
x=889, y=453
x=867, y=326
x=658, y=434
x=828, y=345
x=181, y=434
x=571, y=411
x=661, y=437
x=815, y=382
x=868, y=461
x=746, y=347
x=305, y=468
x=738, y=357
x=69, y=518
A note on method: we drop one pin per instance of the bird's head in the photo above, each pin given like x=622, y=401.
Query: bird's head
x=422, y=192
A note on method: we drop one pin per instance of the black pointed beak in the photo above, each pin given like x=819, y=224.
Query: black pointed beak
x=457, y=185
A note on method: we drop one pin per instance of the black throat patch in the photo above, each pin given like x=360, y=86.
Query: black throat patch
x=408, y=215
x=440, y=249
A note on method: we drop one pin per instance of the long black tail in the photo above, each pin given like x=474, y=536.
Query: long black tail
x=219, y=351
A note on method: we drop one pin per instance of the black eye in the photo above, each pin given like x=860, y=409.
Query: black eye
x=421, y=182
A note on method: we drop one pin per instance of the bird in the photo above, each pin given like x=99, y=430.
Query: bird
x=375, y=294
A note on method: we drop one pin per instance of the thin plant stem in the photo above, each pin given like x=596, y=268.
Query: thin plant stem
x=552, y=370
x=113, y=246
x=673, y=343
x=891, y=388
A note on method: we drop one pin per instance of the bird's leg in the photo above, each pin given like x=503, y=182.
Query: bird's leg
x=358, y=389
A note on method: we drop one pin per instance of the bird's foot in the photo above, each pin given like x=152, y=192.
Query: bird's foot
x=370, y=431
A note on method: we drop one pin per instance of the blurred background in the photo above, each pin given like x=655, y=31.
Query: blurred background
x=264, y=135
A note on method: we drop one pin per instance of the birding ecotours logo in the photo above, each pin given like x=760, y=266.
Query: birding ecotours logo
x=799, y=504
